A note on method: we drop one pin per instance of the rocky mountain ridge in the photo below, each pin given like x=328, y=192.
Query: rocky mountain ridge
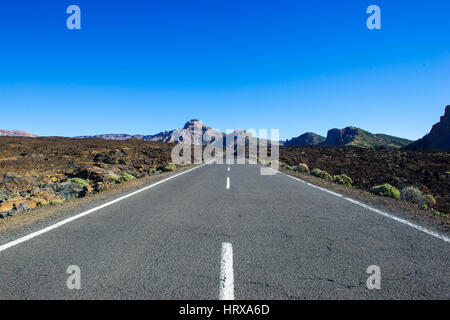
x=439, y=136
x=17, y=133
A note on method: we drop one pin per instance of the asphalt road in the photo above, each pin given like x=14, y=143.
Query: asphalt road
x=289, y=241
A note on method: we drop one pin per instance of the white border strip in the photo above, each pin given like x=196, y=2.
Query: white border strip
x=85, y=213
x=226, y=273
x=385, y=214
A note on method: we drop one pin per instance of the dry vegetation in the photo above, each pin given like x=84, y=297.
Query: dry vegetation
x=427, y=171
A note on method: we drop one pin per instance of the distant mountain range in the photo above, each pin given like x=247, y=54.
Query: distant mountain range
x=186, y=134
x=111, y=136
x=349, y=136
x=16, y=133
x=438, y=138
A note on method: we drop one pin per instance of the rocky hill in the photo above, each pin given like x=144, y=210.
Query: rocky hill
x=356, y=137
x=192, y=130
x=306, y=139
x=16, y=133
x=439, y=136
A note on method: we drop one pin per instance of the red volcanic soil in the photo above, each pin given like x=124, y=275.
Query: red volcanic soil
x=427, y=170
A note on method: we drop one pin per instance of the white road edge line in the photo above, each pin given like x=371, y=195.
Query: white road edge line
x=228, y=182
x=385, y=214
x=85, y=213
x=226, y=273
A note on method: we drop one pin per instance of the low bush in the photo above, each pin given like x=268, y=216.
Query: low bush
x=343, y=179
x=414, y=195
x=55, y=202
x=115, y=178
x=170, y=167
x=127, y=177
x=431, y=201
x=303, y=167
x=81, y=182
x=322, y=174
x=386, y=190
x=288, y=167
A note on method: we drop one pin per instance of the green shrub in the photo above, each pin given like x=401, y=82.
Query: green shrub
x=322, y=174
x=80, y=182
x=286, y=166
x=127, y=177
x=343, y=179
x=436, y=213
x=386, y=190
x=170, y=167
x=424, y=206
x=115, y=178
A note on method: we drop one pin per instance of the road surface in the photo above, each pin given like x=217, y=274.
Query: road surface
x=289, y=240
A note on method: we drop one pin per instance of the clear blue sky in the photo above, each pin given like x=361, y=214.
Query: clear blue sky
x=146, y=66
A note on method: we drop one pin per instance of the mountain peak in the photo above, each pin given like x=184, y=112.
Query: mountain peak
x=306, y=139
x=194, y=123
x=357, y=137
x=16, y=133
x=439, y=136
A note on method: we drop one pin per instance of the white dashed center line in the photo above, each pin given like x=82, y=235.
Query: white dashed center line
x=228, y=182
x=226, y=273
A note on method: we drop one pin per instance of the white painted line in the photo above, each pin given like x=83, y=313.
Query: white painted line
x=312, y=185
x=412, y=225
x=85, y=213
x=228, y=168
x=385, y=214
x=226, y=273
x=228, y=182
